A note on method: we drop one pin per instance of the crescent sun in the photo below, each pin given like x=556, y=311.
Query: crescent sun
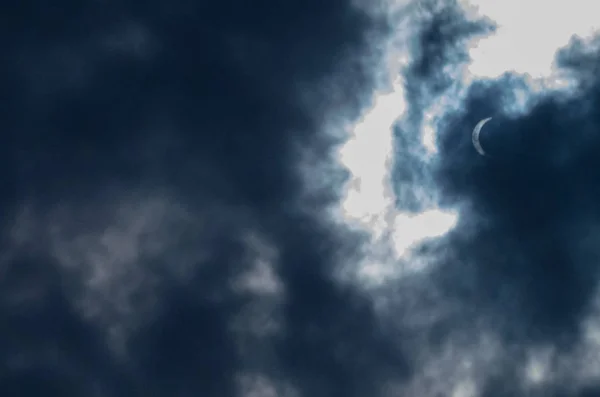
x=475, y=137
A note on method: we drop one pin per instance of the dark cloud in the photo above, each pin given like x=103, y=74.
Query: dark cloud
x=439, y=43
x=46, y=347
x=525, y=255
x=211, y=103
x=330, y=331
x=438, y=48
x=159, y=236
x=536, y=198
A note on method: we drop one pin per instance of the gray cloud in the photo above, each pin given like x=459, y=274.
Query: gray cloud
x=160, y=238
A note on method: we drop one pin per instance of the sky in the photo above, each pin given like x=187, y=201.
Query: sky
x=282, y=199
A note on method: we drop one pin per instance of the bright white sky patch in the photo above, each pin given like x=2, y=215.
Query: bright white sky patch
x=409, y=229
x=529, y=33
x=368, y=155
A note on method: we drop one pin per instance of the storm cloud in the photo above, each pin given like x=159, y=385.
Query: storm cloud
x=208, y=199
x=152, y=167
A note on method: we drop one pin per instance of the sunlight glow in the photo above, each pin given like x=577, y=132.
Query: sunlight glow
x=367, y=155
x=369, y=201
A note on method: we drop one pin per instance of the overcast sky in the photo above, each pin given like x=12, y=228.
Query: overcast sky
x=282, y=199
